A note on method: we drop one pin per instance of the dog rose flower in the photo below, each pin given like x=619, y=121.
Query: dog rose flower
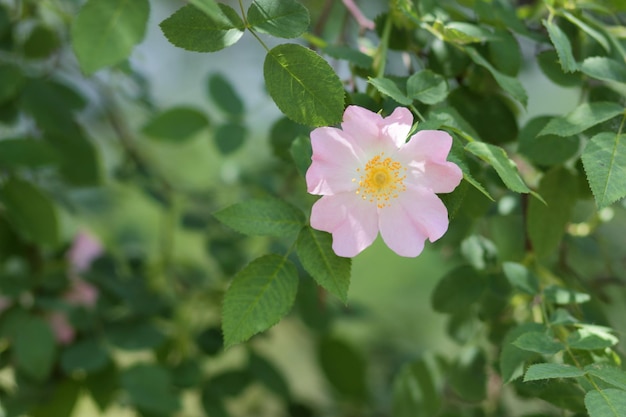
x=371, y=179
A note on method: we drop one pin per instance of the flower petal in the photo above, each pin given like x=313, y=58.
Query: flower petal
x=397, y=125
x=352, y=222
x=416, y=215
x=363, y=125
x=433, y=145
x=436, y=177
x=334, y=162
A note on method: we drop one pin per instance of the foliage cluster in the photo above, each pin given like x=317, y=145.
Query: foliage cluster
x=536, y=239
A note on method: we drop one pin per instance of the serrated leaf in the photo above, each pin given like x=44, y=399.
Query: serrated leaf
x=552, y=370
x=259, y=296
x=318, y=258
x=176, y=124
x=521, y=277
x=604, y=160
x=609, y=374
x=562, y=45
x=498, y=159
x=512, y=358
x=196, y=30
x=606, y=403
x=546, y=223
x=598, y=36
x=605, y=69
x=35, y=348
x=509, y=84
x=280, y=18
x=427, y=87
x=582, y=118
x=106, y=31
x=390, y=89
x=539, y=342
x=590, y=337
x=303, y=86
x=262, y=217
x=30, y=211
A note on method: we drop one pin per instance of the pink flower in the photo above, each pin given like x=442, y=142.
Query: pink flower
x=63, y=331
x=81, y=293
x=85, y=249
x=372, y=180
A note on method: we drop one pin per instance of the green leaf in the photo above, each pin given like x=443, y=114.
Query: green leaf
x=390, y=89
x=605, y=69
x=80, y=165
x=303, y=86
x=539, y=342
x=30, y=153
x=149, y=388
x=427, y=87
x=552, y=370
x=562, y=45
x=415, y=391
x=176, y=124
x=88, y=355
x=283, y=133
x=513, y=358
x=194, y=29
x=61, y=401
x=545, y=150
x=563, y=296
x=462, y=33
x=11, y=79
x=546, y=223
x=42, y=41
x=353, y=56
x=609, y=374
x=468, y=375
x=229, y=137
x=606, y=403
x=549, y=63
x=35, y=348
x=498, y=159
x=598, y=36
x=301, y=153
x=521, y=277
x=457, y=290
x=604, y=160
x=259, y=296
x=590, y=337
x=224, y=96
x=106, y=31
x=582, y=118
x=265, y=372
x=280, y=18
x=263, y=217
x=134, y=335
x=30, y=211
x=509, y=84
x=344, y=367
x=505, y=53
x=318, y=258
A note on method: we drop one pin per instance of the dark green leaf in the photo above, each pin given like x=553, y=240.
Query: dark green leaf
x=259, y=296
x=552, y=370
x=606, y=403
x=88, y=355
x=106, y=31
x=457, y=290
x=415, y=391
x=468, y=375
x=549, y=64
x=11, y=79
x=605, y=69
x=545, y=150
x=344, y=367
x=505, y=53
x=513, y=358
x=35, y=348
x=265, y=217
x=582, y=118
x=176, y=124
x=229, y=137
x=194, y=30
x=280, y=18
x=303, y=86
x=595, y=34
x=30, y=212
x=604, y=159
x=546, y=223
x=149, y=388
x=318, y=259
x=80, y=165
x=42, y=41
x=562, y=45
x=539, y=342
x=389, y=88
x=283, y=133
x=497, y=157
x=265, y=372
x=301, y=153
x=224, y=96
x=427, y=87
x=134, y=335
x=30, y=153
x=521, y=277
x=61, y=402
x=351, y=55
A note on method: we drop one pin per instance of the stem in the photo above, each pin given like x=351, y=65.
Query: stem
x=381, y=56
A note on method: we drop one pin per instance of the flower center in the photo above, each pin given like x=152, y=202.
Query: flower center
x=381, y=180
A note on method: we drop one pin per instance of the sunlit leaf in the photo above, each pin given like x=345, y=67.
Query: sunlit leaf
x=427, y=87
x=604, y=159
x=552, y=370
x=390, y=89
x=582, y=118
x=280, y=18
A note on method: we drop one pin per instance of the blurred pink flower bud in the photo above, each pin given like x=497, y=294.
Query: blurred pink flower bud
x=63, y=331
x=85, y=249
x=82, y=293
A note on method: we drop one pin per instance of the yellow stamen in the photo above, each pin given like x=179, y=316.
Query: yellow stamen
x=381, y=180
